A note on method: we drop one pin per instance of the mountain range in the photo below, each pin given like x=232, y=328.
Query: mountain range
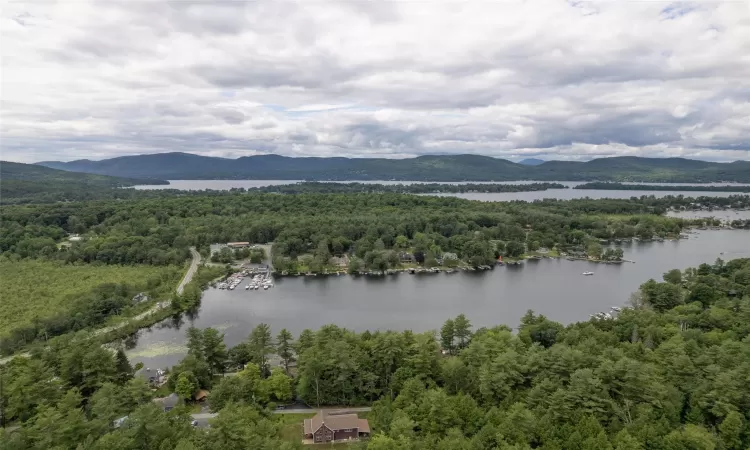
x=186, y=166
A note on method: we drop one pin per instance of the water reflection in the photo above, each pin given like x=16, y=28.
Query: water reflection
x=553, y=287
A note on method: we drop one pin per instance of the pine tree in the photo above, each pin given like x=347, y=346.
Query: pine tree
x=447, y=335
x=462, y=330
x=284, y=348
x=261, y=347
x=124, y=370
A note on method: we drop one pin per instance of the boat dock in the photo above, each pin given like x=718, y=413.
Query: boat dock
x=257, y=278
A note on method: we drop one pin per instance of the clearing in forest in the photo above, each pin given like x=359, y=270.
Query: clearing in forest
x=40, y=289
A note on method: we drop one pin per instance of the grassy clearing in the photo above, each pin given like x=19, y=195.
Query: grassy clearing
x=291, y=426
x=39, y=289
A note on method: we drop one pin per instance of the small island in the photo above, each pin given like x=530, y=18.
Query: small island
x=609, y=186
x=318, y=187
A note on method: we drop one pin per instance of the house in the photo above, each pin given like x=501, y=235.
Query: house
x=201, y=395
x=342, y=261
x=238, y=244
x=406, y=257
x=169, y=402
x=154, y=377
x=325, y=427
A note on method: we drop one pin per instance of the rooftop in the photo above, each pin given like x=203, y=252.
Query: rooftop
x=335, y=422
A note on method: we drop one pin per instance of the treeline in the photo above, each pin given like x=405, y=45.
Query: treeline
x=307, y=187
x=667, y=373
x=599, y=185
x=227, y=255
x=159, y=230
x=29, y=183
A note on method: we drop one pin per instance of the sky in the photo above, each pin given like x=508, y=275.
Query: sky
x=535, y=79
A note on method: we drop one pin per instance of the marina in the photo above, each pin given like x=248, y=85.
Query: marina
x=256, y=279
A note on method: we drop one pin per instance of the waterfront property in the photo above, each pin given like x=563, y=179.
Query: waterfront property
x=340, y=261
x=553, y=287
x=154, y=377
x=330, y=427
x=406, y=257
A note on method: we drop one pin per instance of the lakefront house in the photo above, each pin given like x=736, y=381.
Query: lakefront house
x=329, y=427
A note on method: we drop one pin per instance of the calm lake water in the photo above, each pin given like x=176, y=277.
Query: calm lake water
x=554, y=288
x=562, y=194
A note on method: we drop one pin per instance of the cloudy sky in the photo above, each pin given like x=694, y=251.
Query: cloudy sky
x=548, y=79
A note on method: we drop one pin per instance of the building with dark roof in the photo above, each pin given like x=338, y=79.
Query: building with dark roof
x=335, y=427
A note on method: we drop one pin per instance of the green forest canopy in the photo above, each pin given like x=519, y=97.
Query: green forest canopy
x=670, y=373
x=599, y=185
x=158, y=231
x=39, y=289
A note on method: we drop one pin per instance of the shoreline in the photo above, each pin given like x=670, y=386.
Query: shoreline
x=164, y=310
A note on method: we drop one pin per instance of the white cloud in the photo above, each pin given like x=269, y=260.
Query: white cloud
x=566, y=80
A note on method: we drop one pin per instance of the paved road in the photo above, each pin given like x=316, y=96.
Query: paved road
x=161, y=305
x=328, y=410
x=203, y=418
x=191, y=270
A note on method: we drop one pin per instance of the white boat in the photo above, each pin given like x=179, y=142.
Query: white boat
x=265, y=287
x=587, y=273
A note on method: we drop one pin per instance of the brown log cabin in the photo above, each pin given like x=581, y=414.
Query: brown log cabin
x=335, y=427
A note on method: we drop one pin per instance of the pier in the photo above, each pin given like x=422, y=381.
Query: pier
x=259, y=278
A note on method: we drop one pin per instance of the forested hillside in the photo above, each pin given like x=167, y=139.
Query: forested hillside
x=669, y=373
x=424, y=168
x=27, y=183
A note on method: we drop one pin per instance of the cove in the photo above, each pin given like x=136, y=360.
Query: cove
x=551, y=287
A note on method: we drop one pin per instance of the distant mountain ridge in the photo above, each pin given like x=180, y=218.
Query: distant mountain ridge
x=531, y=161
x=186, y=166
x=20, y=183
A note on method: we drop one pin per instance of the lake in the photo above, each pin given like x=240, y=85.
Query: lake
x=561, y=194
x=551, y=287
